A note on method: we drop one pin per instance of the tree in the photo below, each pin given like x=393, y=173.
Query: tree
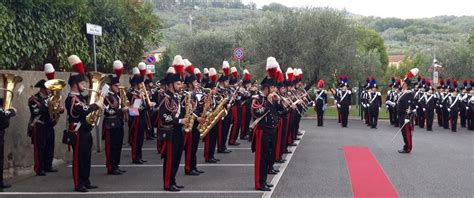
x=207, y=49
x=36, y=32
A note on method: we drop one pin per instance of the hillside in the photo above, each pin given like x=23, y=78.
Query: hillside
x=401, y=36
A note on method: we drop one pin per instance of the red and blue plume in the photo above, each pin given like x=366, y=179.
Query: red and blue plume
x=455, y=83
x=472, y=83
x=418, y=79
x=367, y=80
x=465, y=83
x=373, y=82
x=441, y=82
x=393, y=80
x=423, y=81
x=448, y=82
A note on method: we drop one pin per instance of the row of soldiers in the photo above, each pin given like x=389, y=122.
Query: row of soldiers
x=447, y=100
x=174, y=107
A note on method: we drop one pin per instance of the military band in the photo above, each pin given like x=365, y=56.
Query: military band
x=218, y=109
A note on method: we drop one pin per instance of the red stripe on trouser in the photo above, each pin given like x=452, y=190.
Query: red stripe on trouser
x=278, y=142
x=75, y=164
x=187, y=162
x=37, y=165
x=243, y=122
x=108, y=158
x=169, y=160
x=206, y=147
x=134, y=131
x=235, y=125
x=219, y=138
x=258, y=158
x=408, y=135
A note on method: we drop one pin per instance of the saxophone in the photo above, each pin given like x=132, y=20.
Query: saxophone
x=188, y=126
x=125, y=102
x=212, y=118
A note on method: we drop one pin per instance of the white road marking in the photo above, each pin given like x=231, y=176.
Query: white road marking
x=132, y=192
x=154, y=149
x=161, y=165
x=277, y=177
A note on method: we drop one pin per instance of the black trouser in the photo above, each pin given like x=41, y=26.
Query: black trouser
x=319, y=114
x=81, y=166
x=224, y=126
x=421, y=117
x=2, y=149
x=462, y=116
x=191, y=147
x=246, y=117
x=261, y=149
x=374, y=116
x=439, y=115
x=344, y=114
x=43, y=140
x=137, y=132
x=406, y=131
x=445, y=118
x=454, y=120
x=113, y=147
x=429, y=118
x=172, y=157
x=390, y=115
x=272, y=136
x=367, y=116
x=283, y=141
x=210, y=142
x=236, y=121
x=470, y=119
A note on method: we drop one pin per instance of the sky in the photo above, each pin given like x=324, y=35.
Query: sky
x=386, y=8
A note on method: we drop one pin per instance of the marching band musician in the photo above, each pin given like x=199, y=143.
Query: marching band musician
x=151, y=113
x=5, y=115
x=223, y=125
x=462, y=106
x=210, y=140
x=420, y=115
x=192, y=138
x=291, y=133
x=364, y=97
x=265, y=112
x=246, y=100
x=41, y=126
x=470, y=107
x=171, y=129
x=344, y=101
x=77, y=110
x=320, y=102
x=453, y=105
x=113, y=124
x=428, y=102
x=299, y=94
x=390, y=100
x=374, y=102
x=439, y=95
x=236, y=108
x=405, y=108
x=280, y=136
x=444, y=104
x=137, y=122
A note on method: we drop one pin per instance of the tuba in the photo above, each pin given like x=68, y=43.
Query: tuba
x=9, y=82
x=125, y=102
x=54, y=101
x=188, y=127
x=96, y=95
x=212, y=118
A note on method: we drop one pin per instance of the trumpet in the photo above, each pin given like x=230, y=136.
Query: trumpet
x=54, y=101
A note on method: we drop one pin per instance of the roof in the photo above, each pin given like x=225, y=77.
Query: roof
x=395, y=58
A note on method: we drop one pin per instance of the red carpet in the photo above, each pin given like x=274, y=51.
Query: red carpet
x=367, y=177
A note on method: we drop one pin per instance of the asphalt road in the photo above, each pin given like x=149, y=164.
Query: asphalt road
x=440, y=165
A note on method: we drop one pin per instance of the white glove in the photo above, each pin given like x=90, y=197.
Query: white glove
x=380, y=108
x=338, y=106
x=467, y=108
x=417, y=106
x=449, y=109
x=424, y=109
x=441, y=106
x=386, y=106
x=407, y=121
x=350, y=107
